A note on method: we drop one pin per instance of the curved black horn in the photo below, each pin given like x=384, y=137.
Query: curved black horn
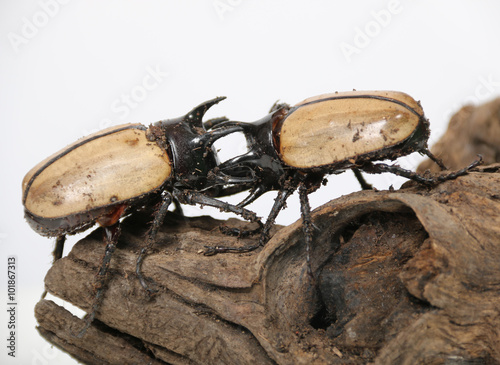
x=195, y=116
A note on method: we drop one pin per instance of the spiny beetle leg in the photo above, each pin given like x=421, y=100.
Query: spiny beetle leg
x=59, y=247
x=111, y=237
x=461, y=172
x=178, y=208
x=236, y=232
x=396, y=170
x=193, y=198
x=305, y=210
x=57, y=253
x=159, y=217
x=279, y=203
x=438, y=161
x=214, y=250
x=361, y=180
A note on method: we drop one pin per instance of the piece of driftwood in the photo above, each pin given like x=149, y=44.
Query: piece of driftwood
x=402, y=277
x=472, y=130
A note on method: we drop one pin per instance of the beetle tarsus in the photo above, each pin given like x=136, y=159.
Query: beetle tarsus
x=432, y=180
x=461, y=172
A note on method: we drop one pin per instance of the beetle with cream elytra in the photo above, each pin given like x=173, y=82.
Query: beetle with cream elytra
x=294, y=148
x=112, y=173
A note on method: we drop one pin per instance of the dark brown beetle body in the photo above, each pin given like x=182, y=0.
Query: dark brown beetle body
x=293, y=148
x=111, y=173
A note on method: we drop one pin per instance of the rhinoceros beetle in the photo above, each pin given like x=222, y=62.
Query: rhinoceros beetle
x=110, y=174
x=294, y=148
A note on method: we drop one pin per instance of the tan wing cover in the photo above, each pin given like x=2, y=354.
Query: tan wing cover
x=330, y=131
x=105, y=169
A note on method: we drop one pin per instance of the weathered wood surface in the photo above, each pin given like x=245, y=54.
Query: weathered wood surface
x=404, y=277
x=472, y=130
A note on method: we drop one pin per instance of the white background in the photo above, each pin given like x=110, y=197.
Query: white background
x=66, y=68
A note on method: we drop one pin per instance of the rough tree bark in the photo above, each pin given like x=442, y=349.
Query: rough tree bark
x=402, y=277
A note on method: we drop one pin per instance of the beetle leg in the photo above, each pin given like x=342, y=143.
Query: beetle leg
x=279, y=203
x=193, y=198
x=58, y=249
x=438, y=161
x=396, y=170
x=218, y=177
x=111, y=236
x=57, y=253
x=159, y=216
x=361, y=180
x=305, y=210
x=254, y=194
x=178, y=208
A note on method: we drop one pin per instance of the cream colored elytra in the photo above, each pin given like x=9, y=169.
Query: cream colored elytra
x=107, y=167
x=340, y=129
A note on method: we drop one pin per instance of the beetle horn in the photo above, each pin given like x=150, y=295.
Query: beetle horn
x=195, y=116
